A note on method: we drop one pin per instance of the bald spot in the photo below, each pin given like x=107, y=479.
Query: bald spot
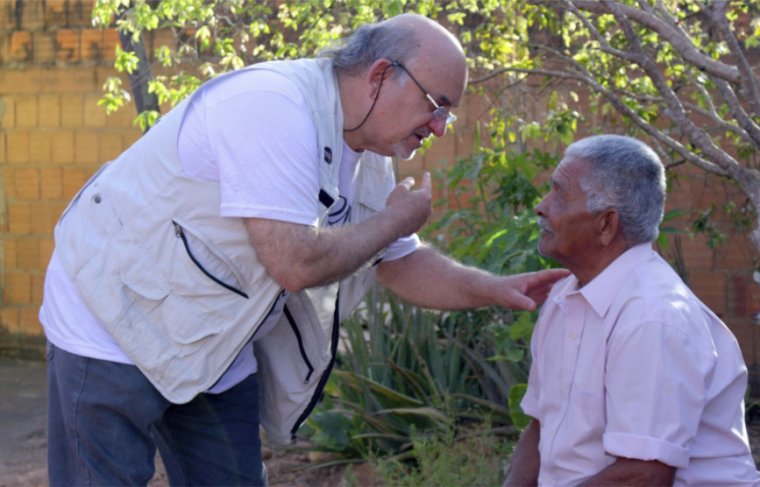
x=439, y=55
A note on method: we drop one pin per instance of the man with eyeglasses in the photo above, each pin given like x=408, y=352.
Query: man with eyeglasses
x=199, y=279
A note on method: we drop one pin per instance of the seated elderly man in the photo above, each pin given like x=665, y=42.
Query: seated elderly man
x=634, y=381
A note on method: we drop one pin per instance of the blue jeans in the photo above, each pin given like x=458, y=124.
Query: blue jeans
x=105, y=421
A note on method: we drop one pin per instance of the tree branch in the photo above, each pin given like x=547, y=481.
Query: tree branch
x=748, y=82
x=677, y=113
x=138, y=79
x=678, y=40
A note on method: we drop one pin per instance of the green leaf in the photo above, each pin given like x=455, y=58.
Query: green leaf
x=519, y=418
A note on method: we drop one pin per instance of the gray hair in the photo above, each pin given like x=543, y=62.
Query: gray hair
x=627, y=175
x=370, y=42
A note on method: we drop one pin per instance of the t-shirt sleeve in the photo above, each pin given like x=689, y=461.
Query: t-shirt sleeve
x=264, y=144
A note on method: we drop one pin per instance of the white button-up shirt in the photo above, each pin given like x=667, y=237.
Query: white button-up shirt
x=633, y=365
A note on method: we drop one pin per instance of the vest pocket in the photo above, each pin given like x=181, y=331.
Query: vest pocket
x=214, y=265
x=152, y=301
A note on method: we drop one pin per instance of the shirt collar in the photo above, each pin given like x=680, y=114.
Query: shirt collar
x=600, y=292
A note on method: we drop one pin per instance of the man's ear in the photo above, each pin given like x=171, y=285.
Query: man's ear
x=608, y=226
x=375, y=74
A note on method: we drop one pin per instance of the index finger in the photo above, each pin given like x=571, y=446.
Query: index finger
x=426, y=184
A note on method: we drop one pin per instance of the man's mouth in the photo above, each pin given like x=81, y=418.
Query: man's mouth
x=543, y=226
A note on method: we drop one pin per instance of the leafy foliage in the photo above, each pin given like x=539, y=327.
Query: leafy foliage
x=680, y=72
x=469, y=457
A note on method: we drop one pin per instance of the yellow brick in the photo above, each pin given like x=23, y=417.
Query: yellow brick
x=26, y=111
x=94, y=115
x=33, y=17
x=6, y=183
x=27, y=254
x=91, y=44
x=38, y=287
x=19, y=218
x=63, y=147
x=43, y=47
x=17, y=288
x=9, y=253
x=21, y=46
x=40, y=147
x=109, y=43
x=51, y=183
x=78, y=13
x=17, y=146
x=7, y=112
x=72, y=111
x=29, y=323
x=70, y=79
x=131, y=137
x=110, y=145
x=46, y=251
x=44, y=217
x=73, y=180
x=27, y=183
x=9, y=318
x=67, y=41
x=86, y=147
x=122, y=118
x=50, y=111
x=28, y=81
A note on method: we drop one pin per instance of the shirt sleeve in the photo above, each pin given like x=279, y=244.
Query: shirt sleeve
x=655, y=388
x=264, y=144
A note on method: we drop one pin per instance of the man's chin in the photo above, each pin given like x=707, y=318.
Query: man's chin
x=404, y=154
x=542, y=250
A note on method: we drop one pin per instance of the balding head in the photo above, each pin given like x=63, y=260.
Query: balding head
x=406, y=38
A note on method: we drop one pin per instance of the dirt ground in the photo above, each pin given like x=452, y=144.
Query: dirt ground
x=23, y=439
x=23, y=442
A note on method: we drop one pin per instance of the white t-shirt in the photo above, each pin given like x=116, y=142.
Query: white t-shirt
x=245, y=131
x=633, y=365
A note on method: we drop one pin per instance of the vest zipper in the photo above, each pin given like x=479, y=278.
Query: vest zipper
x=326, y=375
x=299, y=339
x=180, y=233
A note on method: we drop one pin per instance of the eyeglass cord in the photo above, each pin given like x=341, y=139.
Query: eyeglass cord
x=377, y=95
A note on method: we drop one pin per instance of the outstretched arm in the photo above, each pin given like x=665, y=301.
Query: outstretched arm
x=429, y=279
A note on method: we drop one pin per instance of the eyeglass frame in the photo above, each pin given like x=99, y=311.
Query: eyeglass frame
x=440, y=112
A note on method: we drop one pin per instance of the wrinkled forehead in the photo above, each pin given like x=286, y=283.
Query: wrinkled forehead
x=569, y=171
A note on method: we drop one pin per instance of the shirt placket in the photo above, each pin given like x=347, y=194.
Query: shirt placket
x=573, y=313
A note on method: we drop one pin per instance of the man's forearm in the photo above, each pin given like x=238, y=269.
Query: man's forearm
x=301, y=256
x=526, y=461
x=429, y=279
x=628, y=471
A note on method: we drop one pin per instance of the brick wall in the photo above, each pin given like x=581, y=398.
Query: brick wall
x=53, y=136
x=722, y=277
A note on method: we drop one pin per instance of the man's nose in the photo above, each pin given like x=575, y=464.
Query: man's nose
x=540, y=207
x=437, y=127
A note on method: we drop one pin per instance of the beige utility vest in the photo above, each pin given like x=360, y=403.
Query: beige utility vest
x=123, y=241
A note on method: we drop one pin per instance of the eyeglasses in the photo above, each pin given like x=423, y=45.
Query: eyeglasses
x=440, y=112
